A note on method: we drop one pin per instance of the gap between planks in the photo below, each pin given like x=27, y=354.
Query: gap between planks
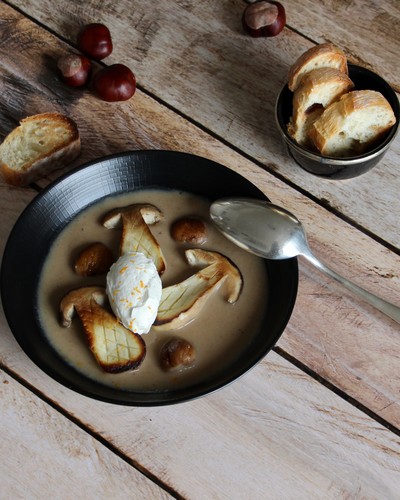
x=339, y=392
x=95, y=435
x=321, y=202
x=278, y=350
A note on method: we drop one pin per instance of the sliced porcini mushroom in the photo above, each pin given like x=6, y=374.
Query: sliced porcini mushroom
x=182, y=302
x=136, y=235
x=115, y=348
x=79, y=298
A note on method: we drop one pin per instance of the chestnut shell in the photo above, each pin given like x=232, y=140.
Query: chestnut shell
x=95, y=41
x=114, y=83
x=267, y=30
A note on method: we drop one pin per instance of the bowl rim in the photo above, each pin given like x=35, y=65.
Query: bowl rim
x=347, y=160
x=78, y=189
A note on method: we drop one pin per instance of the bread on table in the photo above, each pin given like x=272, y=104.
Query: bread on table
x=353, y=124
x=316, y=91
x=39, y=145
x=325, y=55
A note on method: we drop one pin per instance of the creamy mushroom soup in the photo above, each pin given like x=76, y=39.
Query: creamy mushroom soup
x=218, y=333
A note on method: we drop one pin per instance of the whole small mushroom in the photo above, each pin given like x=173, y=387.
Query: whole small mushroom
x=93, y=260
x=189, y=230
x=177, y=354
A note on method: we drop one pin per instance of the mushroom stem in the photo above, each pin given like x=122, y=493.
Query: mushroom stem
x=136, y=235
x=180, y=303
x=115, y=348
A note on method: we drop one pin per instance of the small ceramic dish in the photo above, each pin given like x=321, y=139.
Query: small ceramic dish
x=339, y=168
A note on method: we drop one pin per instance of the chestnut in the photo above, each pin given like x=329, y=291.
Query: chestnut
x=114, y=83
x=75, y=69
x=94, y=259
x=95, y=41
x=189, y=230
x=264, y=18
x=177, y=354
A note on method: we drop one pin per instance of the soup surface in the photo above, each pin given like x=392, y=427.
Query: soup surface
x=219, y=332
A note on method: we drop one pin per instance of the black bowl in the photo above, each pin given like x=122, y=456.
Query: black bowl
x=339, y=168
x=55, y=207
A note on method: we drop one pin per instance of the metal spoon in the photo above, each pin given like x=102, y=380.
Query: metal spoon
x=274, y=233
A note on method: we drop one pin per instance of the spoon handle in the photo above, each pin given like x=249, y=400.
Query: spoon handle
x=382, y=305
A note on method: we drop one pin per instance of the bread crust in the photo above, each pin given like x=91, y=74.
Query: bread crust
x=320, y=56
x=353, y=124
x=317, y=90
x=58, y=151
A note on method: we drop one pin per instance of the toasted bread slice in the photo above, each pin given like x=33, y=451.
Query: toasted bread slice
x=115, y=348
x=353, y=124
x=325, y=55
x=317, y=90
x=39, y=145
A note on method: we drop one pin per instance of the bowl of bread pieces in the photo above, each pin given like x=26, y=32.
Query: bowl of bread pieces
x=336, y=119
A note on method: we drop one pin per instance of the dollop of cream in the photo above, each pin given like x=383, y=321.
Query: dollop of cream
x=134, y=291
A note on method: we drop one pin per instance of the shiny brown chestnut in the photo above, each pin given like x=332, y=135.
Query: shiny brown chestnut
x=264, y=18
x=114, y=83
x=95, y=41
x=75, y=69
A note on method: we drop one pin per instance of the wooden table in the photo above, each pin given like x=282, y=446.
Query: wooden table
x=319, y=417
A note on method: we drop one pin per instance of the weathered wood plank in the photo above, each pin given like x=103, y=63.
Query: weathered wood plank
x=369, y=373
x=351, y=25
x=45, y=455
x=275, y=432
x=13, y=202
x=194, y=56
x=368, y=31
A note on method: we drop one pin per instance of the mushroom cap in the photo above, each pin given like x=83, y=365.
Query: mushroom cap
x=182, y=302
x=136, y=235
x=115, y=348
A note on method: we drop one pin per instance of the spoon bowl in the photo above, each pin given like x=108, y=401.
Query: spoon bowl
x=260, y=227
x=274, y=233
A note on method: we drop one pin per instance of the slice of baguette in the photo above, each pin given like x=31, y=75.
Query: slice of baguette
x=317, y=90
x=39, y=145
x=325, y=55
x=353, y=124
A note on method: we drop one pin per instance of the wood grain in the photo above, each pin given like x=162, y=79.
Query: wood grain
x=326, y=321
x=275, y=433
x=195, y=57
x=352, y=26
x=57, y=456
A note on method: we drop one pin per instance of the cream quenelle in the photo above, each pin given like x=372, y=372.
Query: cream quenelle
x=134, y=291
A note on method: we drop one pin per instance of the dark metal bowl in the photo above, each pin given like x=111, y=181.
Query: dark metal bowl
x=339, y=168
